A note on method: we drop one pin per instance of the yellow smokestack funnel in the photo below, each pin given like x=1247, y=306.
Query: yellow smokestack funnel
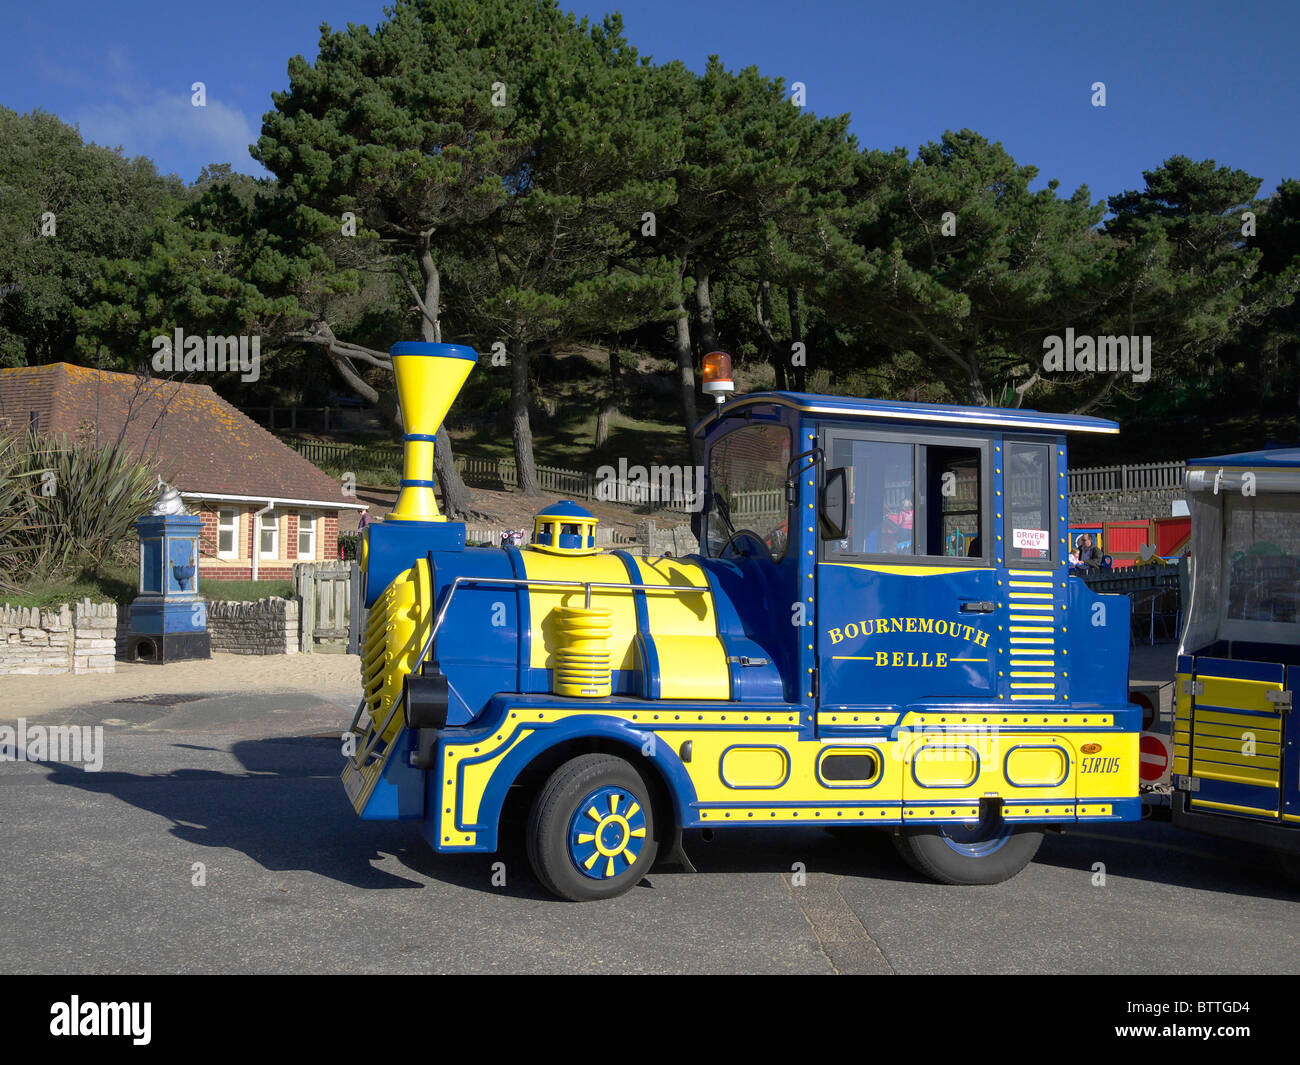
x=429, y=378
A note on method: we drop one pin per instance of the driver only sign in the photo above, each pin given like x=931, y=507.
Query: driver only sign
x=1033, y=539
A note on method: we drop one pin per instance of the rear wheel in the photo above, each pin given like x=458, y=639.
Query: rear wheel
x=987, y=851
x=591, y=833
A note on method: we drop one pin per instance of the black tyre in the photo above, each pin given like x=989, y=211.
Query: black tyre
x=986, y=852
x=591, y=833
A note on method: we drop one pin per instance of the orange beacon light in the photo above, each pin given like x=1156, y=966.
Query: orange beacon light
x=717, y=375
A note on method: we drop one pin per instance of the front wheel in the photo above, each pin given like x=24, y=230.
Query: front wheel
x=987, y=851
x=591, y=833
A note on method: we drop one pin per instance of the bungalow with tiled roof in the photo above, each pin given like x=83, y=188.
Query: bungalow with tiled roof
x=264, y=507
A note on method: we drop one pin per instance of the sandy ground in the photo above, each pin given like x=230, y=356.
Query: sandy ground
x=327, y=675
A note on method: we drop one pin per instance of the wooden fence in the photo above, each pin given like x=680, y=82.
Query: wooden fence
x=1128, y=478
x=330, y=611
x=668, y=493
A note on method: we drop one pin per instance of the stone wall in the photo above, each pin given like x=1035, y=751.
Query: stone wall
x=94, y=628
x=71, y=638
x=1137, y=504
x=676, y=540
x=265, y=627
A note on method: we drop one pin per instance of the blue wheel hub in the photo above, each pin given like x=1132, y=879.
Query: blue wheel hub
x=986, y=836
x=607, y=833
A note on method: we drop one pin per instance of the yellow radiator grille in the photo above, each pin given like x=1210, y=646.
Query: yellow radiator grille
x=396, y=628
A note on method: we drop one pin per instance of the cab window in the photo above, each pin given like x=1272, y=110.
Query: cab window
x=910, y=498
x=747, y=474
x=1027, y=482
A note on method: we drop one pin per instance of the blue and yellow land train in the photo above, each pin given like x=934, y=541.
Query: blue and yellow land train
x=879, y=630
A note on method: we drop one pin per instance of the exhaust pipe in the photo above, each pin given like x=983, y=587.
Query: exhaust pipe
x=429, y=378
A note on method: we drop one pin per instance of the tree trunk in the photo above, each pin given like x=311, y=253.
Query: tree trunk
x=686, y=378
x=975, y=387
x=455, y=496
x=610, y=404
x=704, y=306
x=521, y=428
x=796, y=336
x=763, y=311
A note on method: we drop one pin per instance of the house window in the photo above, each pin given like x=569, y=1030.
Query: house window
x=306, y=534
x=269, y=535
x=227, y=533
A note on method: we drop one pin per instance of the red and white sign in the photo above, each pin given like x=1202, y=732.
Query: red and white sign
x=1154, y=758
x=1034, y=539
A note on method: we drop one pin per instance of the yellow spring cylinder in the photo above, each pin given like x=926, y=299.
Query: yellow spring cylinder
x=582, y=656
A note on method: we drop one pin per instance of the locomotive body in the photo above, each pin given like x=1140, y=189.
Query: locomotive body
x=879, y=629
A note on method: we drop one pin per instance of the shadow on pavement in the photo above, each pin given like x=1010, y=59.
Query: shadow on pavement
x=1156, y=852
x=286, y=811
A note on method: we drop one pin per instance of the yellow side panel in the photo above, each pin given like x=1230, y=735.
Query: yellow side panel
x=1037, y=766
x=1232, y=807
x=676, y=613
x=1232, y=724
x=1182, y=700
x=1236, y=757
x=1236, y=774
x=717, y=778
x=692, y=659
x=542, y=601
x=755, y=767
x=1238, y=742
x=1262, y=731
x=945, y=766
x=1239, y=694
x=1100, y=777
x=692, y=667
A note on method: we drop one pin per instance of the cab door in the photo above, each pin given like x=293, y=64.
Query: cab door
x=906, y=600
x=1031, y=541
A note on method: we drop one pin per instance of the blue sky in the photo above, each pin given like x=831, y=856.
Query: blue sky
x=1209, y=80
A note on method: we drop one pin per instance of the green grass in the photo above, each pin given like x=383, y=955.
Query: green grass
x=245, y=591
x=115, y=584
x=118, y=584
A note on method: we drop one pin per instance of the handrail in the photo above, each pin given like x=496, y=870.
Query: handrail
x=362, y=757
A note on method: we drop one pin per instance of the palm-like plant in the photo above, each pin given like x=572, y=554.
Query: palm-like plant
x=64, y=505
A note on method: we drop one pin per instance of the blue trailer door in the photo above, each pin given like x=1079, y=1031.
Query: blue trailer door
x=1237, y=738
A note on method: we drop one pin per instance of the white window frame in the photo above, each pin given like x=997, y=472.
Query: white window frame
x=233, y=529
x=311, y=518
x=274, y=529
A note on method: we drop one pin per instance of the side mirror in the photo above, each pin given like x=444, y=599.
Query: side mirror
x=834, y=504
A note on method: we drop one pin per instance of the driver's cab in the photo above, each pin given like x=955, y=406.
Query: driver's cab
x=910, y=556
